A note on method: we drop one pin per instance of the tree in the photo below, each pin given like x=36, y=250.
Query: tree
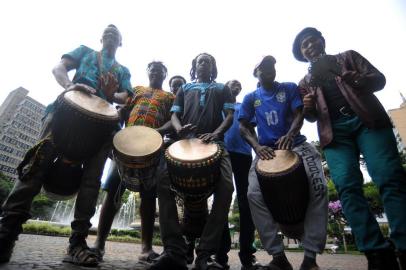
x=6, y=186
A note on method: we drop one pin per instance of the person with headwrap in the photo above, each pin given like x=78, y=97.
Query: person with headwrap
x=338, y=93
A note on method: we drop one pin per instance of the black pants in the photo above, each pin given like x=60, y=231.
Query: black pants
x=241, y=164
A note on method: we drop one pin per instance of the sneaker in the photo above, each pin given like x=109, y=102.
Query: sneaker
x=166, y=261
x=279, y=262
x=309, y=264
x=384, y=259
x=253, y=266
x=205, y=262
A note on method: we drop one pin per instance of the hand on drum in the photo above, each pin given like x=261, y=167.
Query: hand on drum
x=109, y=85
x=209, y=137
x=185, y=130
x=81, y=87
x=264, y=152
x=285, y=142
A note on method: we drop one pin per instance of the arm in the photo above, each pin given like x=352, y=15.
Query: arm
x=309, y=102
x=364, y=75
x=248, y=133
x=286, y=141
x=181, y=130
x=60, y=72
x=165, y=128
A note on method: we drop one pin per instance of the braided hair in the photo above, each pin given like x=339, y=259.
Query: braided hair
x=213, y=74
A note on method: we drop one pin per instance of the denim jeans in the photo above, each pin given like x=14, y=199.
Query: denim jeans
x=378, y=147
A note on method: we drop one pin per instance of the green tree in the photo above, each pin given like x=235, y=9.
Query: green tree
x=6, y=185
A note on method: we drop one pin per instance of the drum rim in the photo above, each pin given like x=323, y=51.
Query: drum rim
x=283, y=172
x=88, y=113
x=216, y=155
x=129, y=158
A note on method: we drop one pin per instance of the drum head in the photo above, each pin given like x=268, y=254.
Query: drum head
x=283, y=161
x=192, y=150
x=91, y=105
x=137, y=141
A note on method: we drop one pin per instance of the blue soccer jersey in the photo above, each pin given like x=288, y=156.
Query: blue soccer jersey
x=273, y=110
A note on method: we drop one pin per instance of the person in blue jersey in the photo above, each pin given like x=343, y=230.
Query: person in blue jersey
x=277, y=108
x=198, y=112
x=241, y=159
x=97, y=72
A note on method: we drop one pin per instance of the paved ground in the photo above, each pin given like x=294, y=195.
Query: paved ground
x=45, y=253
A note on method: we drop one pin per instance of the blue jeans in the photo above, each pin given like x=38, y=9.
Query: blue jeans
x=378, y=147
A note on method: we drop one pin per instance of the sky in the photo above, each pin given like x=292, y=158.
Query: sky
x=238, y=34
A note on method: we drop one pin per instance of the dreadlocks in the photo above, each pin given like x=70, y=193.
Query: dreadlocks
x=213, y=74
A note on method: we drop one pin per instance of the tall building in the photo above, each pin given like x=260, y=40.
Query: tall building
x=398, y=117
x=20, y=126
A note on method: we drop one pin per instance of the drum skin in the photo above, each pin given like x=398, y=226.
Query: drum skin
x=284, y=186
x=136, y=150
x=62, y=181
x=193, y=168
x=81, y=124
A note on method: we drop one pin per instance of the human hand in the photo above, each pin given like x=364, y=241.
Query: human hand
x=264, y=152
x=353, y=78
x=185, y=130
x=109, y=85
x=309, y=102
x=209, y=137
x=80, y=87
x=285, y=142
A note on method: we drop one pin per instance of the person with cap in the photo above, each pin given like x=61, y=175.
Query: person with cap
x=277, y=108
x=339, y=95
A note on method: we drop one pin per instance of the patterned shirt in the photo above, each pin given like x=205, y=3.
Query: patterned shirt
x=88, y=72
x=151, y=107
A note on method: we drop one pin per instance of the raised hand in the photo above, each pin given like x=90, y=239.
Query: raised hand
x=109, y=85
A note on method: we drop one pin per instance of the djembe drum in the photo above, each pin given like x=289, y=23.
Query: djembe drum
x=136, y=150
x=62, y=181
x=81, y=124
x=284, y=186
x=193, y=168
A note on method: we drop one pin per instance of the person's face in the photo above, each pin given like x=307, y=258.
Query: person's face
x=235, y=88
x=175, y=85
x=266, y=73
x=203, y=66
x=312, y=47
x=156, y=74
x=111, y=38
